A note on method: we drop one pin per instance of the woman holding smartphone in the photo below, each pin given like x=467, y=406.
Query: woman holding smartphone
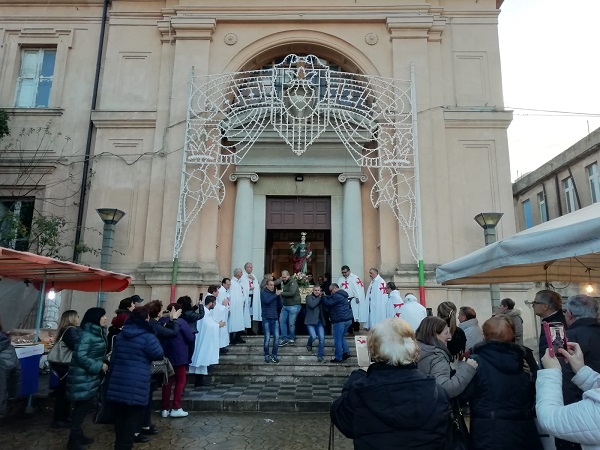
x=577, y=422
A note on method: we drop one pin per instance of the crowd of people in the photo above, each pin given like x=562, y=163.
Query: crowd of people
x=415, y=391
x=146, y=347
x=426, y=371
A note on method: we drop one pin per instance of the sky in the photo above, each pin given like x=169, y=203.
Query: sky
x=550, y=61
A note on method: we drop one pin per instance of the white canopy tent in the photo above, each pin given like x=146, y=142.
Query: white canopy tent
x=563, y=249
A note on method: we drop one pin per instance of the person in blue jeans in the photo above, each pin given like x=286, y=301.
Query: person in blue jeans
x=290, y=293
x=341, y=317
x=315, y=322
x=270, y=299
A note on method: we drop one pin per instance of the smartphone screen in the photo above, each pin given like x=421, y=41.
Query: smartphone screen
x=555, y=337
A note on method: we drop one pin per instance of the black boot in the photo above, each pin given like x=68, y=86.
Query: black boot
x=75, y=442
x=199, y=380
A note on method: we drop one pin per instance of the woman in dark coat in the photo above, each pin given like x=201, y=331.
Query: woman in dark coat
x=135, y=348
x=177, y=350
x=502, y=393
x=85, y=373
x=392, y=405
x=69, y=333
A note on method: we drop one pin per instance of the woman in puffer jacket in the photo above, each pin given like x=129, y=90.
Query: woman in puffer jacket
x=578, y=422
x=432, y=336
x=85, y=373
x=135, y=348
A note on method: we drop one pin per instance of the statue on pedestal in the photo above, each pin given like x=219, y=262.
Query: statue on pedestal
x=301, y=254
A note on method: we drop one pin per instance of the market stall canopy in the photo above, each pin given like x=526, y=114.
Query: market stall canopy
x=59, y=274
x=563, y=249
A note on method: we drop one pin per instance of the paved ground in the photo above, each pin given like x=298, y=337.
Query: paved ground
x=215, y=431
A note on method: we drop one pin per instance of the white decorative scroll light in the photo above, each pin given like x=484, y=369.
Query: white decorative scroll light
x=300, y=99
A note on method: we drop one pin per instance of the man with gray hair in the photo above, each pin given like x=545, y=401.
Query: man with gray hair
x=237, y=301
x=581, y=314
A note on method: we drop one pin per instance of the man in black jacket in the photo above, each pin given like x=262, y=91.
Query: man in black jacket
x=341, y=318
x=548, y=306
x=581, y=314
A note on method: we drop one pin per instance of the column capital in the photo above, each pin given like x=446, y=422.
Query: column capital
x=244, y=175
x=358, y=176
x=189, y=26
x=416, y=26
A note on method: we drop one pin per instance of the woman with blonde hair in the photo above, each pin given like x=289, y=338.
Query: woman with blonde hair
x=392, y=405
x=458, y=340
x=68, y=332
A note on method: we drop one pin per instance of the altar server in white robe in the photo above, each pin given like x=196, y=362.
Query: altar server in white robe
x=377, y=298
x=249, y=282
x=221, y=311
x=237, y=299
x=395, y=301
x=355, y=288
x=206, y=350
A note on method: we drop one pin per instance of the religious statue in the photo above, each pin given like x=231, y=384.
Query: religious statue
x=301, y=254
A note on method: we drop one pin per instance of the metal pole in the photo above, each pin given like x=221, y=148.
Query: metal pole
x=38, y=315
x=490, y=237
x=419, y=230
x=108, y=237
x=180, y=218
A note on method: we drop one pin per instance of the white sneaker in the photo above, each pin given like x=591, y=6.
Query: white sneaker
x=178, y=413
x=164, y=413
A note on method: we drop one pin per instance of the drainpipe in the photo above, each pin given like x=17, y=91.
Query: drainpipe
x=88, y=144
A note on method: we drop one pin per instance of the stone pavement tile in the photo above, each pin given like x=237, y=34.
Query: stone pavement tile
x=202, y=431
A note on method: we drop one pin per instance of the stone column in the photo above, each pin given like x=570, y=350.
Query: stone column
x=241, y=249
x=352, y=228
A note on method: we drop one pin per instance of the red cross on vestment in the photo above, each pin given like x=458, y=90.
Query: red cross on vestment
x=382, y=288
x=360, y=283
x=251, y=285
x=345, y=284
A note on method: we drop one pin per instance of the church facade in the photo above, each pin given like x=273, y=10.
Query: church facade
x=224, y=130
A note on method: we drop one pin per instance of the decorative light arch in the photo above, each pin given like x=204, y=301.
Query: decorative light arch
x=300, y=99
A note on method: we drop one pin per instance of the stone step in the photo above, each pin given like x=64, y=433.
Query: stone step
x=259, y=396
x=242, y=381
x=300, y=357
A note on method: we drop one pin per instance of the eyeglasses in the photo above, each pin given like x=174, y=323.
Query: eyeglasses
x=538, y=303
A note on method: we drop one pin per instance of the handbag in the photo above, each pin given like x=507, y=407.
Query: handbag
x=458, y=437
x=105, y=410
x=164, y=368
x=60, y=354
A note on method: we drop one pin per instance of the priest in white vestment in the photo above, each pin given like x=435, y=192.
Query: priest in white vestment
x=221, y=311
x=377, y=298
x=412, y=311
x=355, y=288
x=395, y=301
x=252, y=304
x=237, y=299
x=206, y=350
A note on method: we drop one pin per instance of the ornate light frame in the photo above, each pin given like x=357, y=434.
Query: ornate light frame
x=300, y=99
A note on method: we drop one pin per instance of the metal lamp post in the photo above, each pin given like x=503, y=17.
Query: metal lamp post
x=110, y=217
x=488, y=222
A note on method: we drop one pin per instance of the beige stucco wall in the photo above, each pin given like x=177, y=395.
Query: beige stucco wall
x=151, y=49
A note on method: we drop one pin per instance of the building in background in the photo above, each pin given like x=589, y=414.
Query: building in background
x=319, y=165
x=566, y=183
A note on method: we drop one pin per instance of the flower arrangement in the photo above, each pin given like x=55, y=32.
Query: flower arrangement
x=301, y=279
